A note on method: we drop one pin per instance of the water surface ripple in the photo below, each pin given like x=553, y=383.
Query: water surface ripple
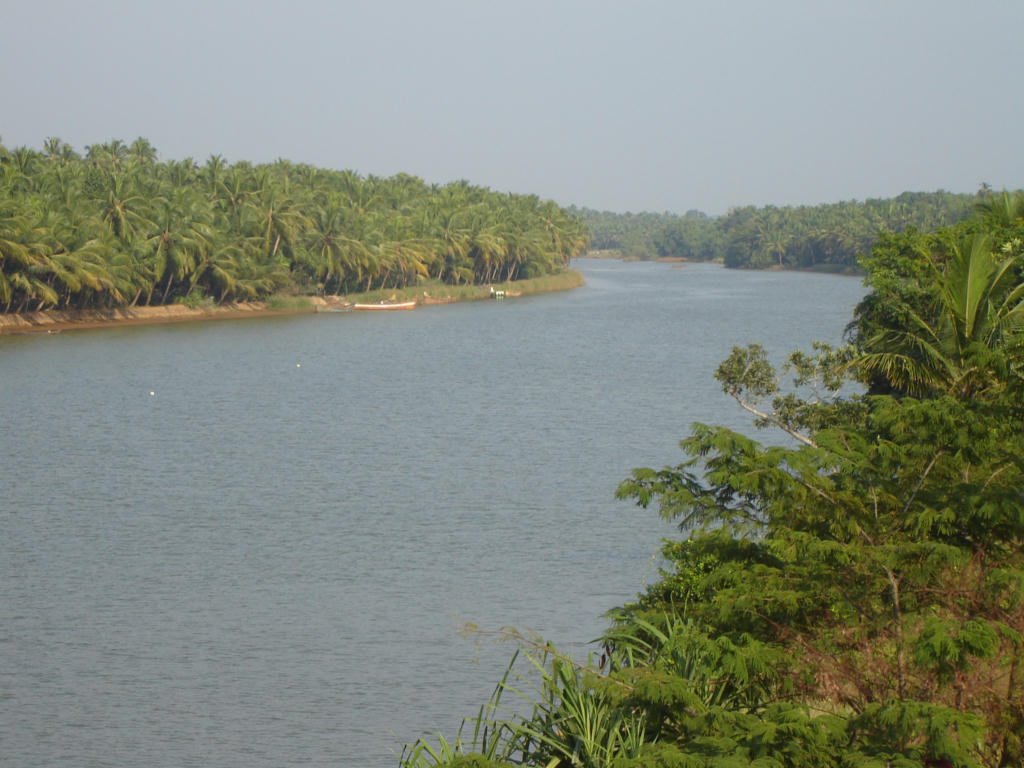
x=267, y=561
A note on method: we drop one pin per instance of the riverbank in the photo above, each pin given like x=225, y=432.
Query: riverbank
x=57, y=321
x=827, y=269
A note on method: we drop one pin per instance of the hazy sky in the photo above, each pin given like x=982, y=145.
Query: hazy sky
x=640, y=105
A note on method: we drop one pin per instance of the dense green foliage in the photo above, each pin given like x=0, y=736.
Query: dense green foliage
x=945, y=308
x=694, y=235
x=116, y=227
x=823, y=236
x=852, y=597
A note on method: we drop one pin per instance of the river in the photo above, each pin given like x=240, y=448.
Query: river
x=254, y=543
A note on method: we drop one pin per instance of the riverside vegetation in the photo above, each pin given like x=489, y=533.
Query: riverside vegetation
x=853, y=596
x=117, y=228
x=821, y=237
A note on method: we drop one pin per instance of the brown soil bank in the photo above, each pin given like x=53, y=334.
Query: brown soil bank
x=54, y=321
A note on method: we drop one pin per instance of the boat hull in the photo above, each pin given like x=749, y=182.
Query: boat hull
x=385, y=307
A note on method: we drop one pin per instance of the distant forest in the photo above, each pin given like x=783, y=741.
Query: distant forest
x=825, y=237
x=115, y=226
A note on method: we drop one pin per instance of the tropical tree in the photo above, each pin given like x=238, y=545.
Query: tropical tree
x=142, y=152
x=110, y=156
x=16, y=255
x=964, y=339
x=125, y=209
x=59, y=151
x=279, y=219
x=179, y=244
x=1005, y=209
x=213, y=171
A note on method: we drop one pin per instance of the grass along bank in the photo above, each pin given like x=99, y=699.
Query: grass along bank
x=55, y=321
x=436, y=292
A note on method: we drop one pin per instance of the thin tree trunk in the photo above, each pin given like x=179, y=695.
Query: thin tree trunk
x=897, y=615
x=1011, y=757
x=167, y=289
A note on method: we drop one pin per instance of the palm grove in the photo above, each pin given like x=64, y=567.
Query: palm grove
x=825, y=237
x=116, y=227
x=853, y=596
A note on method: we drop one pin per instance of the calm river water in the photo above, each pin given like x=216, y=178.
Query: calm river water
x=267, y=561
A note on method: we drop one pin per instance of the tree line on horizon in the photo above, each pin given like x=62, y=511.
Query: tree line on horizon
x=829, y=236
x=849, y=595
x=115, y=226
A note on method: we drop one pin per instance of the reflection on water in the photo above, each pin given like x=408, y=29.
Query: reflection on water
x=267, y=561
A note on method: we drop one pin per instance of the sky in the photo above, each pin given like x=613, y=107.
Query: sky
x=638, y=105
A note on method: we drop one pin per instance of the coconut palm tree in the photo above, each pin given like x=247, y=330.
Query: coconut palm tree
x=212, y=172
x=488, y=249
x=280, y=220
x=124, y=208
x=973, y=336
x=111, y=156
x=773, y=240
x=15, y=255
x=22, y=165
x=1005, y=209
x=328, y=249
x=232, y=194
x=178, y=245
x=180, y=173
x=142, y=152
x=59, y=151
